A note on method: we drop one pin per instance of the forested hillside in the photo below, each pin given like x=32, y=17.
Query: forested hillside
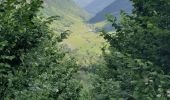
x=48, y=51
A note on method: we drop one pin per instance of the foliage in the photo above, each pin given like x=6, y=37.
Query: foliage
x=138, y=59
x=33, y=64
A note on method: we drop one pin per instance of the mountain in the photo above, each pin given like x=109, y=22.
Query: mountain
x=71, y=15
x=97, y=5
x=66, y=8
x=114, y=8
x=83, y=3
x=82, y=40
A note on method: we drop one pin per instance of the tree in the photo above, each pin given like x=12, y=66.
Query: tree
x=33, y=64
x=139, y=52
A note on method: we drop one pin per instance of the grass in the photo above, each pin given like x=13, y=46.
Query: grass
x=86, y=43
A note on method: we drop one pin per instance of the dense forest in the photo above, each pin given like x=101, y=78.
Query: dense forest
x=52, y=54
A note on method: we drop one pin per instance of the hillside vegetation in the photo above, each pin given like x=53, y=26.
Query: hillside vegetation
x=83, y=41
x=48, y=51
x=66, y=8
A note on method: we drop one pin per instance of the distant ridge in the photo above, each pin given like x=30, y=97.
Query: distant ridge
x=97, y=6
x=114, y=9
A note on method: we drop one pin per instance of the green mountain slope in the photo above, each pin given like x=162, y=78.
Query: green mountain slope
x=66, y=8
x=69, y=12
x=83, y=41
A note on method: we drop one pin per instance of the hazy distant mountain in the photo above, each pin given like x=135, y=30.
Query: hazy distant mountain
x=114, y=8
x=97, y=5
x=83, y=3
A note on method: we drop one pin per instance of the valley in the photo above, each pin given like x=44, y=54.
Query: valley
x=83, y=40
x=84, y=50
